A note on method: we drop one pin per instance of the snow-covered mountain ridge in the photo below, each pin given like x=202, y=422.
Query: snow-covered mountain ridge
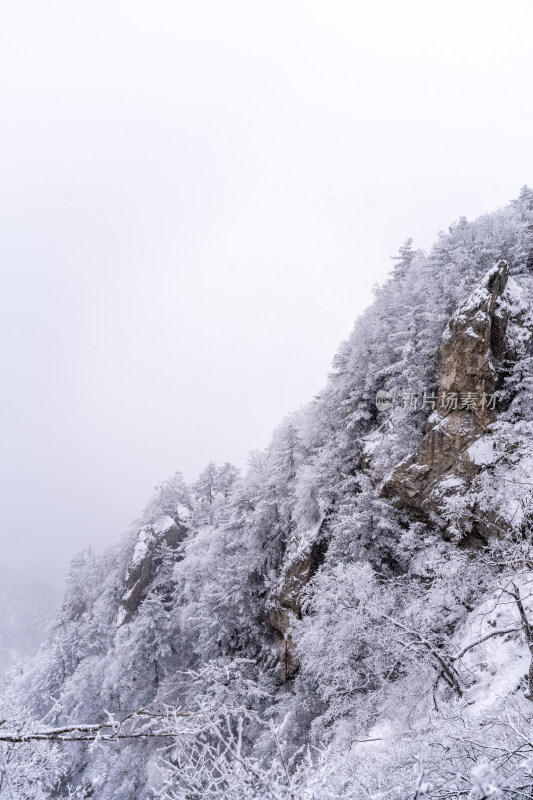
x=351, y=617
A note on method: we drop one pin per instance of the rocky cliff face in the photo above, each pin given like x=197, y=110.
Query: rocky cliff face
x=476, y=350
x=284, y=606
x=147, y=558
x=486, y=334
x=473, y=355
x=445, y=480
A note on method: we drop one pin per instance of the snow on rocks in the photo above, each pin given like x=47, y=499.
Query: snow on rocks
x=481, y=452
x=144, y=539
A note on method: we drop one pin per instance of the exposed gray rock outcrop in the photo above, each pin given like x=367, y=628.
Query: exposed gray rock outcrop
x=146, y=559
x=474, y=353
x=284, y=604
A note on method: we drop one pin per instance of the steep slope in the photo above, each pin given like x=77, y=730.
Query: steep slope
x=371, y=572
x=491, y=331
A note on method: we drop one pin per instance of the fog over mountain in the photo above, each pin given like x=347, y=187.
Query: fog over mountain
x=196, y=200
x=266, y=348
x=349, y=617
x=27, y=608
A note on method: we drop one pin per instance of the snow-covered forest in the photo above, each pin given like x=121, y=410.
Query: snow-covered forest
x=351, y=617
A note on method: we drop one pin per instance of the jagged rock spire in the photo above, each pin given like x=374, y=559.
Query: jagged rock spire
x=472, y=352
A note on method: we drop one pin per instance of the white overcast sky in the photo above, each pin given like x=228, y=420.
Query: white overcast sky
x=195, y=200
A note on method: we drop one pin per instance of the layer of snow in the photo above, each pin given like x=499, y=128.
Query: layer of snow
x=501, y=488
x=482, y=452
x=452, y=482
x=497, y=666
x=514, y=295
x=163, y=525
x=183, y=513
x=471, y=332
x=371, y=440
x=144, y=538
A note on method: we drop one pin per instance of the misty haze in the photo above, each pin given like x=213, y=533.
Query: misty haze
x=267, y=412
